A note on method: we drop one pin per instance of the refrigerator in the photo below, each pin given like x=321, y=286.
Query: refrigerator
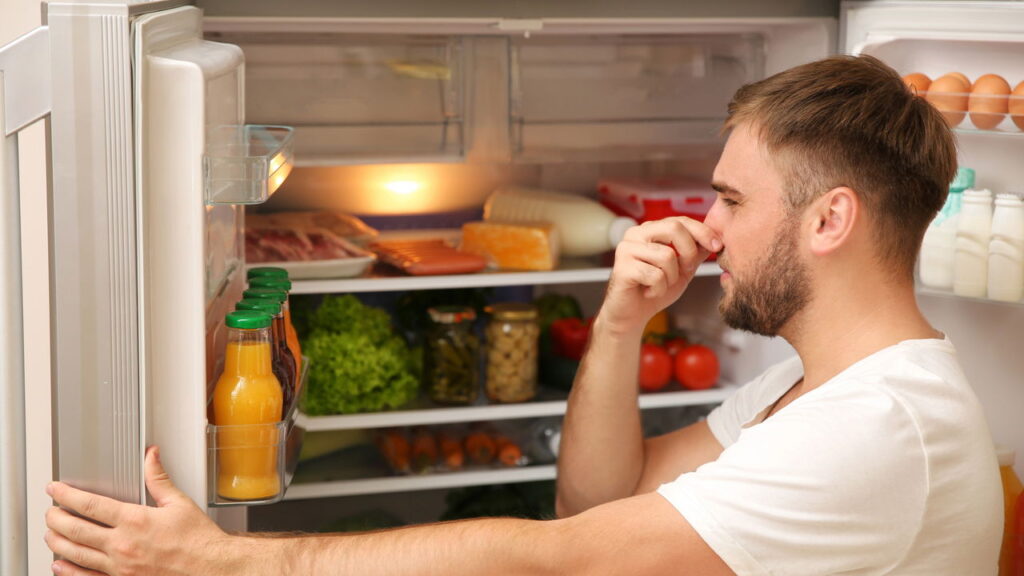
x=166, y=122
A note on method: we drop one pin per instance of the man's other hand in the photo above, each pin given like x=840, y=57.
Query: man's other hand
x=124, y=539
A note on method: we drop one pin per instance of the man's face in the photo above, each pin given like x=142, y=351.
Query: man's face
x=765, y=280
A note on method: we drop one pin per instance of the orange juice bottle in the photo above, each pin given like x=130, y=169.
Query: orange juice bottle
x=282, y=362
x=246, y=408
x=265, y=288
x=1012, y=489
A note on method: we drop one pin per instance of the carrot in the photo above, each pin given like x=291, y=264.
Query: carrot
x=480, y=447
x=509, y=453
x=395, y=448
x=424, y=450
x=451, y=450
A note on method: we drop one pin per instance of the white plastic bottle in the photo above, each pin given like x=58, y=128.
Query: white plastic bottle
x=974, y=230
x=585, y=228
x=1006, y=250
x=939, y=244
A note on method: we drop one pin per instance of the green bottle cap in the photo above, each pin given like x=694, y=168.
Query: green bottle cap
x=267, y=305
x=266, y=272
x=275, y=283
x=248, y=319
x=271, y=293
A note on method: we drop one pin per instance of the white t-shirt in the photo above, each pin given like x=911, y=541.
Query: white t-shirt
x=887, y=468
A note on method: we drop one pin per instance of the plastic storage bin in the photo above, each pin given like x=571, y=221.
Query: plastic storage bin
x=275, y=448
x=246, y=164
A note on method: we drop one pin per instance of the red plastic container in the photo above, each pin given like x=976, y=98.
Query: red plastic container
x=656, y=199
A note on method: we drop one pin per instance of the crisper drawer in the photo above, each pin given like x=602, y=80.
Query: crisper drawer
x=357, y=98
x=625, y=97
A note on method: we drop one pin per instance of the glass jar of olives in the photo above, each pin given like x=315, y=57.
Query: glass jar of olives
x=511, y=336
x=450, y=356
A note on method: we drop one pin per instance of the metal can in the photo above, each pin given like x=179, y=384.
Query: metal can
x=450, y=356
x=511, y=336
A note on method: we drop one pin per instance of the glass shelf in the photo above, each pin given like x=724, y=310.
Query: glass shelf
x=246, y=164
x=935, y=292
x=549, y=403
x=570, y=272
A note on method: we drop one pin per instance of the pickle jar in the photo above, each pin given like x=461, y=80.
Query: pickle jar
x=511, y=336
x=450, y=356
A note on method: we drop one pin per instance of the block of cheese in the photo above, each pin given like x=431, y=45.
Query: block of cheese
x=512, y=245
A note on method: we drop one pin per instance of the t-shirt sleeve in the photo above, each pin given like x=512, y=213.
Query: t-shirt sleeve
x=727, y=419
x=833, y=485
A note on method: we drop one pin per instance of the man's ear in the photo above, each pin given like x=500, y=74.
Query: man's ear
x=833, y=217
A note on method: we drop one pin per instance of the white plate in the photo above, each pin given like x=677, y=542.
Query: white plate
x=337, y=268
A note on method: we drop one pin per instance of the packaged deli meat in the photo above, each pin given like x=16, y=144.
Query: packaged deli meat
x=340, y=224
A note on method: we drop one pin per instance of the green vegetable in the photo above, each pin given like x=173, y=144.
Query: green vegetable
x=346, y=314
x=527, y=500
x=553, y=306
x=348, y=373
x=357, y=363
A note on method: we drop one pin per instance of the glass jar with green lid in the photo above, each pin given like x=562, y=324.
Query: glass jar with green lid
x=511, y=336
x=450, y=356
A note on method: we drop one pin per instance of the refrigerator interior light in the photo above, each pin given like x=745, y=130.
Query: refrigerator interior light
x=246, y=164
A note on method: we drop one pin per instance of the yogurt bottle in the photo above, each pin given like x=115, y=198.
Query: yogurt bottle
x=939, y=244
x=585, y=228
x=973, y=233
x=1006, y=250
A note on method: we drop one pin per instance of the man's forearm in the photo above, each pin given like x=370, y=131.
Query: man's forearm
x=486, y=546
x=601, y=455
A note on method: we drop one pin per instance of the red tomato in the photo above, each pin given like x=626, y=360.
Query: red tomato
x=655, y=368
x=696, y=367
x=674, y=345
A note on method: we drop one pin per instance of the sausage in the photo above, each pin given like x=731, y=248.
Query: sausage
x=427, y=257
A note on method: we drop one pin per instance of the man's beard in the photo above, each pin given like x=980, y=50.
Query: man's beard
x=778, y=290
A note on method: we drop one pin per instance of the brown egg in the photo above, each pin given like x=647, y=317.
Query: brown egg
x=962, y=78
x=1016, y=106
x=988, y=101
x=949, y=95
x=917, y=82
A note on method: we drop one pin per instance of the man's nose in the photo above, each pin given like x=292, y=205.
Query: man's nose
x=714, y=218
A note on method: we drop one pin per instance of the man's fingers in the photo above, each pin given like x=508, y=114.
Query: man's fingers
x=76, y=529
x=76, y=553
x=159, y=482
x=679, y=231
x=65, y=568
x=99, y=508
x=702, y=234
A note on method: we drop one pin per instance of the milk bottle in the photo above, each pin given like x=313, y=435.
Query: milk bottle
x=973, y=232
x=1006, y=250
x=585, y=227
x=939, y=245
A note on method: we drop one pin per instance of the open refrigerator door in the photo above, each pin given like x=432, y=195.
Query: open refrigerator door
x=199, y=164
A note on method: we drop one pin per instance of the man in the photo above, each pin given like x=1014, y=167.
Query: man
x=866, y=454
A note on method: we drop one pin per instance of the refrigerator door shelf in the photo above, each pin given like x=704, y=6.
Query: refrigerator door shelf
x=242, y=447
x=246, y=164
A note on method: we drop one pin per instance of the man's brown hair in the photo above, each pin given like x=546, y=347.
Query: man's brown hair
x=851, y=121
